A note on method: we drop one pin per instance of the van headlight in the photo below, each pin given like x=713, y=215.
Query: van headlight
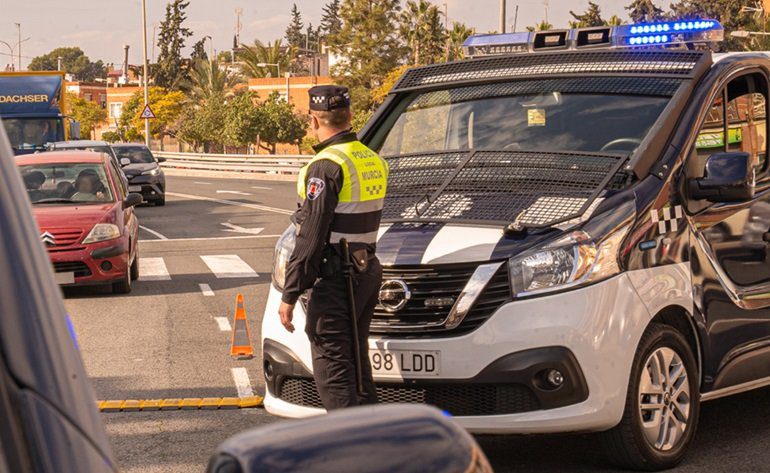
x=570, y=261
x=102, y=232
x=283, y=251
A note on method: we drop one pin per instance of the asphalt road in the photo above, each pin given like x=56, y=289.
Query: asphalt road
x=169, y=338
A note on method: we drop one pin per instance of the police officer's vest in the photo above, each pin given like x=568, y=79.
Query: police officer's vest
x=365, y=179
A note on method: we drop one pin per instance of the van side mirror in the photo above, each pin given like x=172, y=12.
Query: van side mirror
x=729, y=177
x=407, y=438
x=132, y=200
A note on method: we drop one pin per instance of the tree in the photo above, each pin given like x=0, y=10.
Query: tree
x=591, y=17
x=111, y=136
x=279, y=123
x=424, y=32
x=206, y=80
x=204, y=126
x=295, y=36
x=167, y=106
x=614, y=21
x=74, y=61
x=171, y=39
x=242, y=120
x=313, y=38
x=199, y=51
x=331, y=23
x=542, y=26
x=87, y=113
x=273, y=53
x=368, y=44
x=457, y=36
x=730, y=14
x=642, y=11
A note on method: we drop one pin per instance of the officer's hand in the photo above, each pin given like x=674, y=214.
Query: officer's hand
x=286, y=311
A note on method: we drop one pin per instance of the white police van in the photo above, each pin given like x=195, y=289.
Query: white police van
x=575, y=238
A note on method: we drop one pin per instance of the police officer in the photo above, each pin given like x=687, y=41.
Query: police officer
x=341, y=193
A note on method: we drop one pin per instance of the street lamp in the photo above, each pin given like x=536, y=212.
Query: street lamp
x=265, y=64
x=11, y=49
x=145, y=73
x=211, y=47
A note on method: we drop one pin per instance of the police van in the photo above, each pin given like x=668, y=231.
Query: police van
x=575, y=238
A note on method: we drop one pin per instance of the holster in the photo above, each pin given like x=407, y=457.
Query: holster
x=331, y=262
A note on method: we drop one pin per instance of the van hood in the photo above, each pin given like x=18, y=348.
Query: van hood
x=81, y=216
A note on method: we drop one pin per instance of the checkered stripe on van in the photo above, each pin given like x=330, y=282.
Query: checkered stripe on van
x=667, y=218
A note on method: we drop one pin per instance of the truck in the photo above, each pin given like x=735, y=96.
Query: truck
x=31, y=109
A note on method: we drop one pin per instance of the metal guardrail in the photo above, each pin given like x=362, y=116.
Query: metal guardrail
x=241, y=163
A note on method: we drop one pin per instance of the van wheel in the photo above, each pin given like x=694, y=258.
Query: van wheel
x=135, y=268
x=124, y=285
x=662, y=405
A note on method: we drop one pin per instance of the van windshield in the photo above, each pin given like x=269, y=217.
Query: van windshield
x=496, y=117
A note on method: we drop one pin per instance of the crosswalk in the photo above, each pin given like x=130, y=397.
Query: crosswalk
x=220, y=266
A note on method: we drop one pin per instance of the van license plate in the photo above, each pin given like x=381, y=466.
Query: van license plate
x=64, y=278
x=405, y=363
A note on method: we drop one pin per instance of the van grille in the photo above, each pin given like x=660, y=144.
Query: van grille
x=466, y=399
x=438, y=282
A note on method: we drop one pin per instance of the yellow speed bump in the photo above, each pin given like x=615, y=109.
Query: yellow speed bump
x=190, y=403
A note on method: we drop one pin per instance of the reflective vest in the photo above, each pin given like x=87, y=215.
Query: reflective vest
x=365, y=179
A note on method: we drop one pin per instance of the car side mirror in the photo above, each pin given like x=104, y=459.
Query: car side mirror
x=730, y=177
x=161, y=159
x=403, y=437
x=125, y=161
x=132, y=200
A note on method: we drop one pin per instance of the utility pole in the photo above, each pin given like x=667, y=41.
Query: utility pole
x=145, y=73
x=18, y=30
x=502, y=16
x=545, y=4
x=237, y=39
x=58, y=63
x=515, y=18
x=446, y=27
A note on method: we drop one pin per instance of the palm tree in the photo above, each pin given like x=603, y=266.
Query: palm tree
x=614, y=21
x=273, y=53
x=422, y=28
x=208, y=80
x=542, y=26
x=457, y=37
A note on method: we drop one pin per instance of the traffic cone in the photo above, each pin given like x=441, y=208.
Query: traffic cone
x=241, y=345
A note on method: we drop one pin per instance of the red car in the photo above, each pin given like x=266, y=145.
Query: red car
x=86, y=218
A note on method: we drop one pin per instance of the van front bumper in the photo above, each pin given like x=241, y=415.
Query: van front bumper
x=491, y=377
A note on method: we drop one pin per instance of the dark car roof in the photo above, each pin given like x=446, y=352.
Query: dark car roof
x=129, y=145
x=61, y=157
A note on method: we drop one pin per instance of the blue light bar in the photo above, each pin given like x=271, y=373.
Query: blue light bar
x=667, y=33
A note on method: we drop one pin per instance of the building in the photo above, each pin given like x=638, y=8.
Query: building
x=293, y=89
x=91, y=91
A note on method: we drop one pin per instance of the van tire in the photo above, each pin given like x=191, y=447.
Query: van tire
x=627, y=445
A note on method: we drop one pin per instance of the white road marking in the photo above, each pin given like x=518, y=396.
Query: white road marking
x=153, y=232
x=211, y=239
x=228, y=266
x=239, y=229
x=242, y=382
x=264, y=188
x=206, y=290
x=224, y=324
x=230, y=202
x=202, y=183
x=153, y=269
x=234, y=192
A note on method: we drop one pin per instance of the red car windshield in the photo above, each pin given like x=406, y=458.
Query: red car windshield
x=78, y=183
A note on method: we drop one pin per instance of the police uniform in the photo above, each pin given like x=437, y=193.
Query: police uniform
x=341, y=193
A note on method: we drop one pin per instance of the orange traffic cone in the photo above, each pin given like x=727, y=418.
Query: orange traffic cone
x=241, y=345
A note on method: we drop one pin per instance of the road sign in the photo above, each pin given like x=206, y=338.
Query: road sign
x=147, y=112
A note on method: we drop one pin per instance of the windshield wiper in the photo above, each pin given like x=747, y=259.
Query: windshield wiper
x=54, y=200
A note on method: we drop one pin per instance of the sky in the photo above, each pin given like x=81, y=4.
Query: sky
x=102, y=27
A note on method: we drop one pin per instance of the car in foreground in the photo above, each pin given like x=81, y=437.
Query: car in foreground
x=143, y=171
x=575, y=238
x=86, y=218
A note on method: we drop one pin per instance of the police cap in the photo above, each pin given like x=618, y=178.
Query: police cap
x=324, y=98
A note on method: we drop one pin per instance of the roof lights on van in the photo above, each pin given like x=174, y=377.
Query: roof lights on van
x=635, y=35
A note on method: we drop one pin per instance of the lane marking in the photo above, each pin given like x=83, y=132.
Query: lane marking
x=228, y=266
x=153, y=269
x=263, y=188
x=242, y=382
x=234, y=192
x=153, y=232
x=239, y=229
x=206, y=290
x=211, y=239
x=202, y=183
x=224, y=324
x=232, y=202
